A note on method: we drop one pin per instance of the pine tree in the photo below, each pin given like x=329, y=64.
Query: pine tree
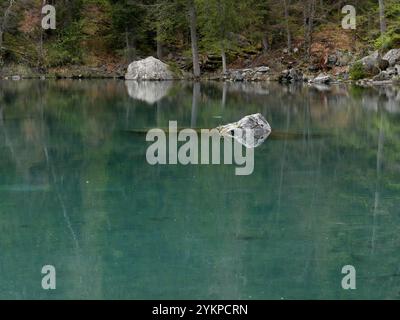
x=222, y=20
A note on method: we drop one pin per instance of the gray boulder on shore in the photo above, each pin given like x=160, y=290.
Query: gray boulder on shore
x=389, y=74
x=249, y=74
x=393, y=56
x=149, y=69
x=291, y=75
x=374, y=63
x=322, y=79
x=383, y=76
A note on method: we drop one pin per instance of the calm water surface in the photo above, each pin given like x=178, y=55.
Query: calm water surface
x=76, y=192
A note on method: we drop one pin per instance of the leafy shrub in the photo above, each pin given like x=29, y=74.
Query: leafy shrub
x=357, y=71
x=174, y=68
x=67, y=49
x=387, y=41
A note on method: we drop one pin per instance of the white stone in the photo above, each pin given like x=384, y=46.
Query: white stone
x=322, y=78
x=256, y=123
x=262, y=69
x=149, y=69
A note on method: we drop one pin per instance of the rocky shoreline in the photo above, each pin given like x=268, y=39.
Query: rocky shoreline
x=373, y=69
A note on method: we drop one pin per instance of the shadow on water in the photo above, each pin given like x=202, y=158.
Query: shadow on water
x=76, y=192
x=274, y=135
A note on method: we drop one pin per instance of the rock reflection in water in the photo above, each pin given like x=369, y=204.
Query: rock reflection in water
x=148, y=91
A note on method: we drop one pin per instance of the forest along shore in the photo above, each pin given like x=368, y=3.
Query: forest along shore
x=223, y=40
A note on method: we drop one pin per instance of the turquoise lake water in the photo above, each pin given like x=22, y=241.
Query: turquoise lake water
x=76, y=192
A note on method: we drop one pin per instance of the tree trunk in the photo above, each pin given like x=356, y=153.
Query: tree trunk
x=265, y=43
x=309, y=15
x=382, y=18
x=286, y=4
x=159, y=50
x=159, y=45
x=128, y=46
x=193, y=36
x=223, y=55
x=133, y=47
x=41, y=55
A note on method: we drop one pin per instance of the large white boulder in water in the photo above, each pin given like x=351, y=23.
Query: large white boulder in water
x=149, y=69
x=254, y=124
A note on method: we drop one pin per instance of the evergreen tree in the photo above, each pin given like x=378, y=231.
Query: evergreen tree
x=222, y=20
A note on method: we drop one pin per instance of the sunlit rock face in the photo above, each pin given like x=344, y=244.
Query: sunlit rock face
x=253, y=125
x=149, y=69
x=148, y=91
